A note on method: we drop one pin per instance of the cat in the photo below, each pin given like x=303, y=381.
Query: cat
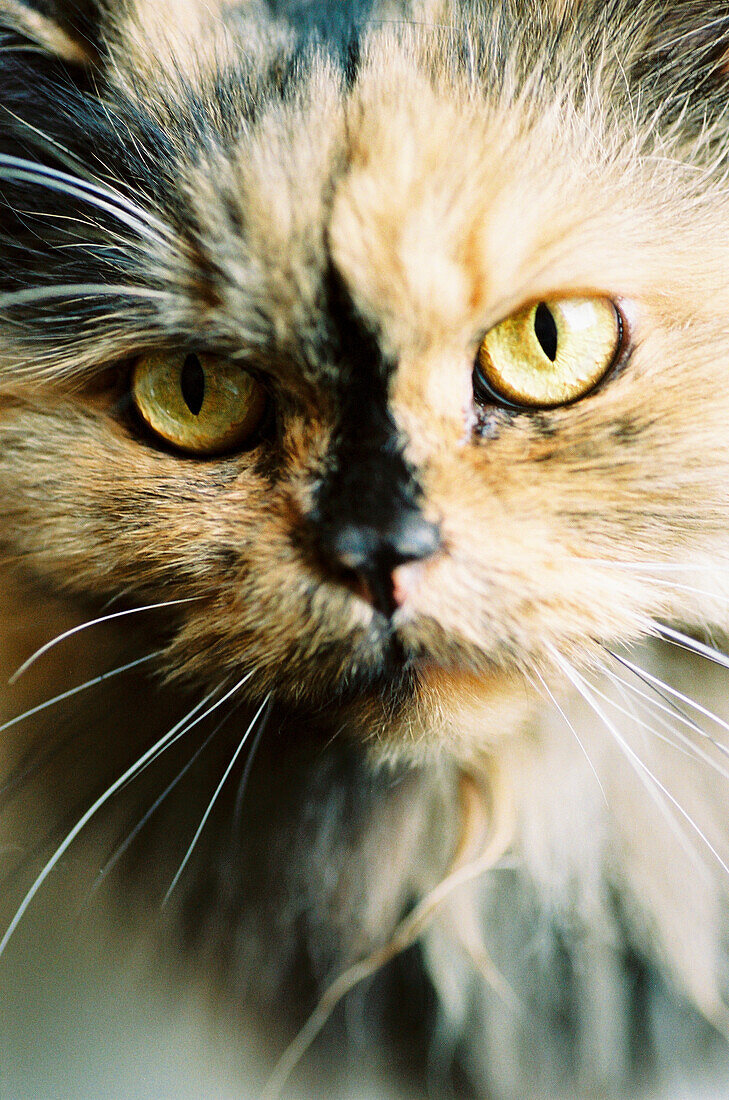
x=365, y=554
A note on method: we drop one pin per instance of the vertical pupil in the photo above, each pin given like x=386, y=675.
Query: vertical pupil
x=192, y=384
x=546, y=331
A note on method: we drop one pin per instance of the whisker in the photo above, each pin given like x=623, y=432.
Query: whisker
x=243, y=784
x=78, y=192
x=35, y=295
x=667, y=706
x=101, y=801
x=656, y=566
x=93, y=622
x=654, y=680
x=575, y=734
x=636, y=711
x=103, y=198
x=80, y=173
x=26, y=768
x=684, y=641
x=214, y=799
x=651, y=782
x=670, y=583
x=61, y=152
x=638, y=568
x=75, y=691
x=131, y=837
x=687, y=747
x=181, y=733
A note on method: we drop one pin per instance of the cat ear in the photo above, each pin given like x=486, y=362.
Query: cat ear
x=64, y=29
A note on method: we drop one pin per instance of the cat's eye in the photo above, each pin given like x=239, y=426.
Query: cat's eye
x=198, y=403
x=550, y=353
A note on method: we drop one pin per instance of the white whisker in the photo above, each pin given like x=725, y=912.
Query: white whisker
x=75, y=690
x=60, y=151
x=138, y=227
x=630, y=712
x=655, y=566
x=181, y=733
x=79, y=172
x=240, y=794
x=214, y=799
x=94, y=622
x=103, y=198
x=101, y=801
x=78, y=291
x=684, y=641
x=575, y=734
x=686, y=747
x=638, y=569
x=671, y=584
x=667, y=707
x=651, y=782
x=643, y=675
x=82, y=822
x=129, y=840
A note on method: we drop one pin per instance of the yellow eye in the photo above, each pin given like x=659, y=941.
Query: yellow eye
x=550, y=353
x=198, y=403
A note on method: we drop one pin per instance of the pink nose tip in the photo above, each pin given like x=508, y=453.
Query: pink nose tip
x=404, y=579
x=374, y=557
x=390, y=592
x=400, y=584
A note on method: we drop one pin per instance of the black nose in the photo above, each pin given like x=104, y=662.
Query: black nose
x=371, y=554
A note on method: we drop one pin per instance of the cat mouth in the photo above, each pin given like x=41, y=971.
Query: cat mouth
x=396, y=653
x=398, y=650
x=381, y=664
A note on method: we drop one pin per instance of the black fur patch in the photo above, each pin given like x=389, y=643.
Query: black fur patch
x=369, y=480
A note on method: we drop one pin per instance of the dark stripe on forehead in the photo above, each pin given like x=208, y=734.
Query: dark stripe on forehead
x=353, y=341
x=368, y=479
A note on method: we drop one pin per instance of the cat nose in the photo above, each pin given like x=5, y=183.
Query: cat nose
x=372, y=554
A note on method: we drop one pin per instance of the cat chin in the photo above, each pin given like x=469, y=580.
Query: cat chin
x=415, y=704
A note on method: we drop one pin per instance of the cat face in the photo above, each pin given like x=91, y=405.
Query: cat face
x=343, y=236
